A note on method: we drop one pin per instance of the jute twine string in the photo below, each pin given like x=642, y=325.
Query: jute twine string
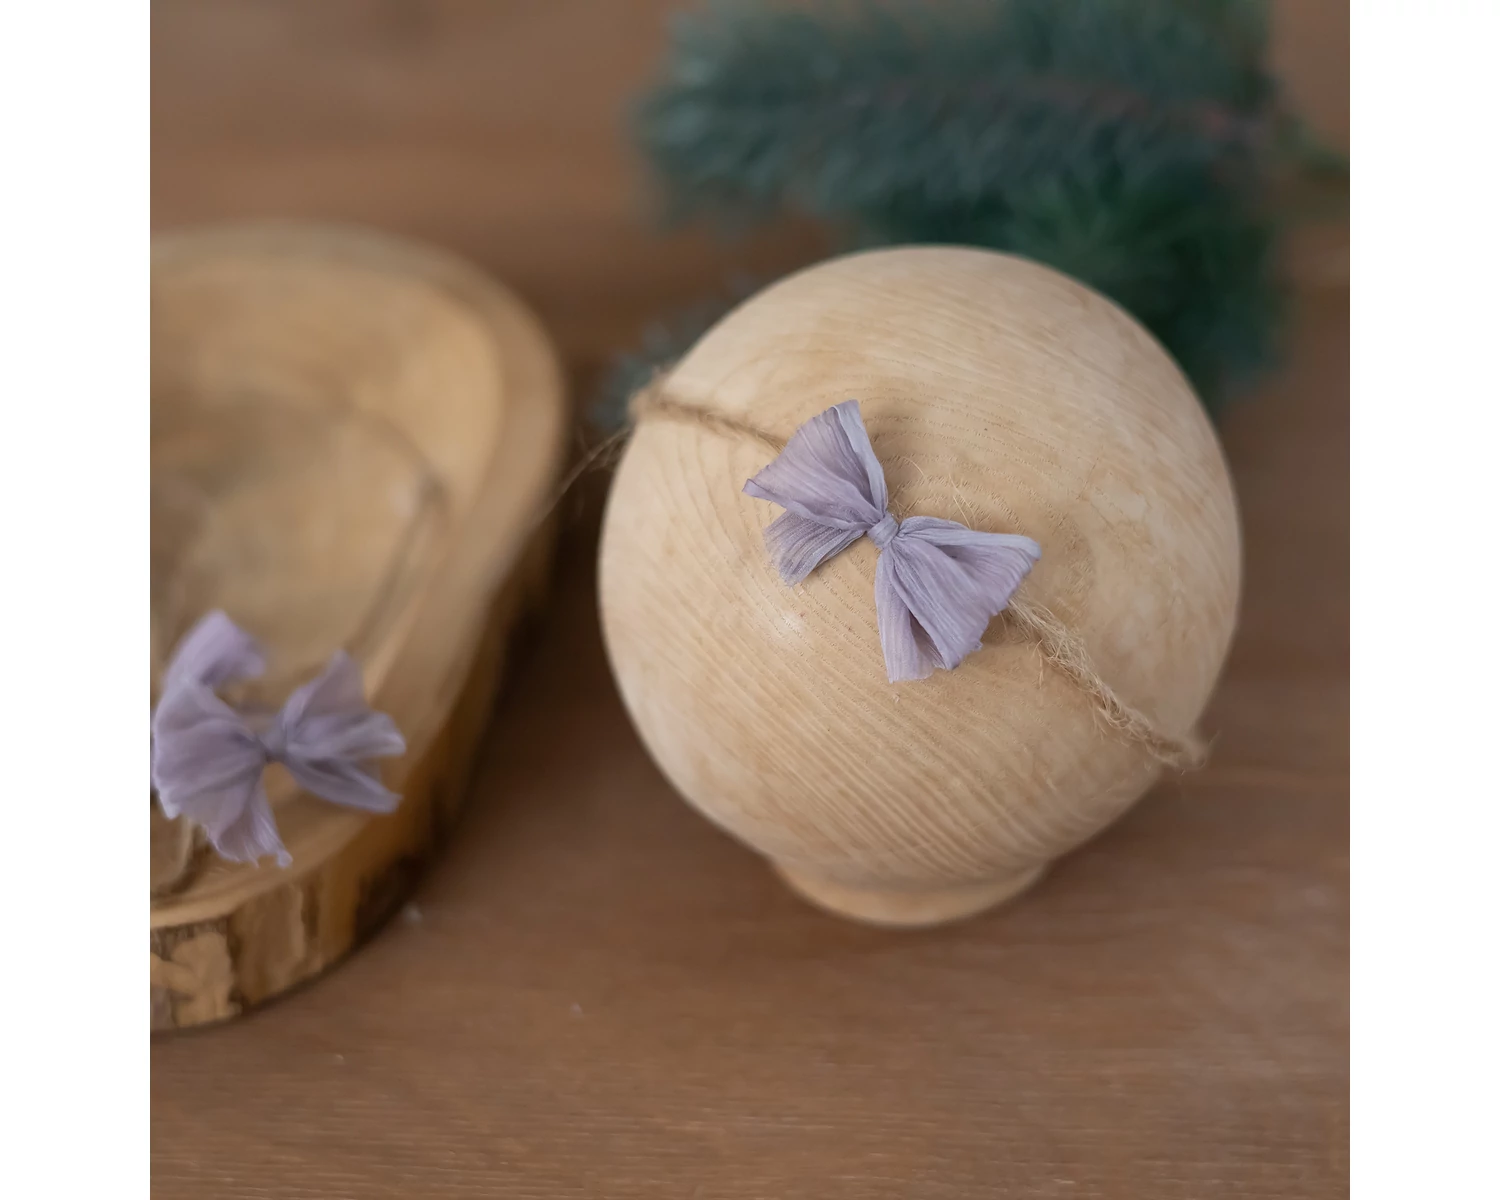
x=1058, y=645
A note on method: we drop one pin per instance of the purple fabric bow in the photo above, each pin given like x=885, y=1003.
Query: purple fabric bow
x=937, y=583
x=207, y=758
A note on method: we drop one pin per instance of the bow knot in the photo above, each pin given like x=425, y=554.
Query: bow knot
x=207, y=757
x=272, y=742
x=884, y=531
x=937, y=583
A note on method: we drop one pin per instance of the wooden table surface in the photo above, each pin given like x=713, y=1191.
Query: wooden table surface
x=596, y=994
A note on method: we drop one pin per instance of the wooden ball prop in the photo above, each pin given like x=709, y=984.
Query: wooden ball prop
x=352, y=438
x=999, y=394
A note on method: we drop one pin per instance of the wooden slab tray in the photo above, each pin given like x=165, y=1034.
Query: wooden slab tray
x=352, y=441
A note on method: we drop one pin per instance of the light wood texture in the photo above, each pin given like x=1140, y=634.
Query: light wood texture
x=596, y=994
x=352, y=440
x=997, y=393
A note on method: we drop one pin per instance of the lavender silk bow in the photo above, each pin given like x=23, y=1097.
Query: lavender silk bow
x=207, y=758
x=937, y=583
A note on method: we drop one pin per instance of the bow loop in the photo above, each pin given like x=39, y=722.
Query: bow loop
x=214, y=652
x=207, y=759
x=937, y=583
x=828, y=472
x=832, y=487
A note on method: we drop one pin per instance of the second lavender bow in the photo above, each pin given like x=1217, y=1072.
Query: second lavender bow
x=207, y=758
x=937, y=583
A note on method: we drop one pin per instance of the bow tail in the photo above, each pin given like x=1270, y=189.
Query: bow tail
x=908, y=649
x=251, y=834
x=946, y=581
x=342, y=781
x=232, y=810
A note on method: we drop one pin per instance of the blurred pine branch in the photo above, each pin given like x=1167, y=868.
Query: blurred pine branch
x=1138, y=145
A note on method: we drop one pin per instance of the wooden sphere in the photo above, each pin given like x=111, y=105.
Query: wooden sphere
x=998, y=393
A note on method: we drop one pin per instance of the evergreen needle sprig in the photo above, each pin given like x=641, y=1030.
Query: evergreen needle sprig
x=1133, y=144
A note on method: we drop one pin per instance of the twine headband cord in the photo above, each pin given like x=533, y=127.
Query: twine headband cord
x=1058, y=645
